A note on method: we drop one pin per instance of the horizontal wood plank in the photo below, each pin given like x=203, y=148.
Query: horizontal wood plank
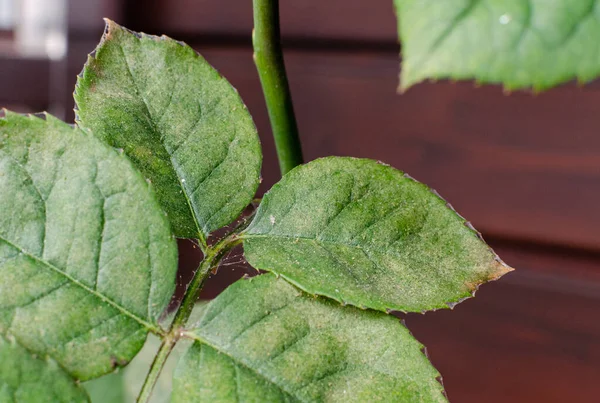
x=25, y=82
x=516, y=344
x=349, y=20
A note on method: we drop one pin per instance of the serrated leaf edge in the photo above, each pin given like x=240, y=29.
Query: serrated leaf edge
x=501, y=267
x=191, y=335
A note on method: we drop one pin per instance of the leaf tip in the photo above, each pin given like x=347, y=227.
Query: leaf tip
x=403, y=87
x=111, y=27
x=109, y=24
x=501, y=269
x=496, y=270
x=407, y=81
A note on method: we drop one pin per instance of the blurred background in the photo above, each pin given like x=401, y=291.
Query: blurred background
x=524, y=168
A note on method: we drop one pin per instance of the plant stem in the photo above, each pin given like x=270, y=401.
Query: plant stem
x=157, y=365
x=268, y=58
x=211, y=260
x=191, y=294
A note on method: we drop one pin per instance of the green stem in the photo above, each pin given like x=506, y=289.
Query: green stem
x=268, y=58
x=157, y=365
x=191, y=295
x=211, y=260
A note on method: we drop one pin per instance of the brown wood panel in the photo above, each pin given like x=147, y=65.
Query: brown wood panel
x=24, y=82
x=350, y=19
x=516, y=344
x=86, y=15
x=581, y=268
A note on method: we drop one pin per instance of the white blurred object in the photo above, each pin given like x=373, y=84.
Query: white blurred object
x=7, y=14
x=40, y=28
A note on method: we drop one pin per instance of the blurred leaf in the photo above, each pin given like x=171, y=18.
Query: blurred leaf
x=520, y=44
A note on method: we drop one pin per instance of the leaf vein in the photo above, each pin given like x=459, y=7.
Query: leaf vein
x=267, y=378
x=159, y=135
x=100, y=296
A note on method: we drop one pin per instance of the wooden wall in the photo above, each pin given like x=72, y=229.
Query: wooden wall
x=524, y=169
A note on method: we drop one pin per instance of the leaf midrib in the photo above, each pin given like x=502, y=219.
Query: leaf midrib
x=375, y=248
x=201, y=235
x=448, y=30
x=102, y=297
x=193, y=336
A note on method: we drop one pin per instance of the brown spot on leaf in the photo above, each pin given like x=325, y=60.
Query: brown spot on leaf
x=117, y=362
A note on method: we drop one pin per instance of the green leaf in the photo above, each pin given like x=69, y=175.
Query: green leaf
x=534, y=43
x=124, y=386
x=27, y=379
x=366, y=234
x=87, y=259
x=264, y=340
x=181, y=123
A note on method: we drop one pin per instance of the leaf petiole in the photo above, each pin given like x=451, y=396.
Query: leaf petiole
x=213, y=256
